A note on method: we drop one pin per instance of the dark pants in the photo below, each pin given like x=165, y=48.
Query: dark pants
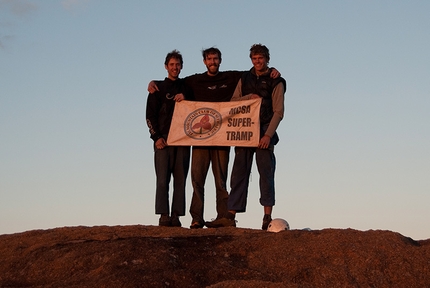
x=172, y=160
x=266, y=164
x=202, y=157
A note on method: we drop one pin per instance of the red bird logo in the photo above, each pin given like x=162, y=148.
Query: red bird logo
x=203, y=124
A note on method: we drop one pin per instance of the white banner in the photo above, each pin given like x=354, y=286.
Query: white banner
x=235, y=123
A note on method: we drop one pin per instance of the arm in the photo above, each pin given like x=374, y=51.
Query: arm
x=237, y=94
x=152, y=109
x=278, y=109
x=278, y=114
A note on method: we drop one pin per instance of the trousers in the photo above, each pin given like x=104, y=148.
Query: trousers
x=171, y=161
x=266, y=164
x=202, y=157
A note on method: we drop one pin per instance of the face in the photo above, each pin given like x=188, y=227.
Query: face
x=173, y=68
x=212, y=63
x=259, y=62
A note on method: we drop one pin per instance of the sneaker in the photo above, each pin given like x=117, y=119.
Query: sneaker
x=175, y=221
x=164, y=220
x=196, y=225
x=266, y=221
x=221, y=222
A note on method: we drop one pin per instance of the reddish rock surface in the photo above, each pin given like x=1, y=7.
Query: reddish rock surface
x=149, y=256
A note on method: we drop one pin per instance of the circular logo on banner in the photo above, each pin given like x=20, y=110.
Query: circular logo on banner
x=202, y=123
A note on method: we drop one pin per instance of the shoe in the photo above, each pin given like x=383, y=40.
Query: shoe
x=221, y=222
x=164, y=220
x=175, y=221
x=196, y=225
x=266, y=221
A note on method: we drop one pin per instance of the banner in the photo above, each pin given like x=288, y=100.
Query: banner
x=235, y=123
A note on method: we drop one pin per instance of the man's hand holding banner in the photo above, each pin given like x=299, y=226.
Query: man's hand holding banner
x=235, y=123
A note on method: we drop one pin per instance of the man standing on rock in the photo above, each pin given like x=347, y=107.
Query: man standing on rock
x=168, y=160
x=257, y=83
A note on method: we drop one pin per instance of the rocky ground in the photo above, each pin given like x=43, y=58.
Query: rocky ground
x=150, y=256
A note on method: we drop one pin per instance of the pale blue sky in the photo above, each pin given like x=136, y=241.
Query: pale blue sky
x=354, y=149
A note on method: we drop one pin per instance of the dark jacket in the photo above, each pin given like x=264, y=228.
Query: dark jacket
x=262, y=85
x=218, y=88
x=160, y=106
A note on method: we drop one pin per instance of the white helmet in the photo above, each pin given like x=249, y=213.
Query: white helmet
x=277, y=225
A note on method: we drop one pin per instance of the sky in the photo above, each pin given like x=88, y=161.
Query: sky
x=354, y=142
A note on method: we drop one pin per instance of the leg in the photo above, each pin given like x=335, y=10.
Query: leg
x=199, y=170
x=180, y=172
x=266, y=164
x=240, y=179
x=220, y=157
x=162, y=172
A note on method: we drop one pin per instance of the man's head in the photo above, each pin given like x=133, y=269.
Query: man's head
x=260, y=57
x=173, y=64
x=212, y=60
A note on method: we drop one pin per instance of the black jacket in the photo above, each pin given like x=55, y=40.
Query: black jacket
x=160, y=106
x=262, y=85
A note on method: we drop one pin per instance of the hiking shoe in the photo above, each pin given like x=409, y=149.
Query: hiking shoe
x=164, y=220
x=196, y=225
x=175, y=221
x=266, y=221
x=221, y=222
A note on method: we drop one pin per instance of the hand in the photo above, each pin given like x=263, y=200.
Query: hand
x=275, y=73
x=152, y=87
x=255, y=96
x=160, y=143
x=264, y=142
x=179, y=97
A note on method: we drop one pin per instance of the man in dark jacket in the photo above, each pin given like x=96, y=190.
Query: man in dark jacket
x=168, y=160
x=257, y=83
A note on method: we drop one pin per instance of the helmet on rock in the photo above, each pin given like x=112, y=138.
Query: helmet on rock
x=277, y=225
